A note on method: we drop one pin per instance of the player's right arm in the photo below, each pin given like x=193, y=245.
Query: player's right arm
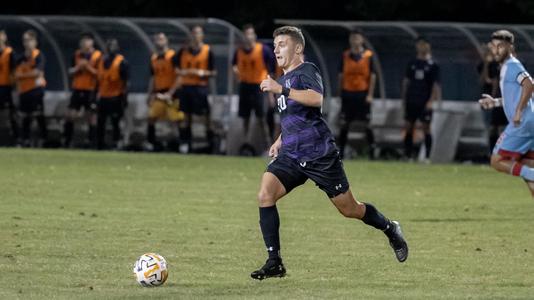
x=177, y=84
x=408, y=74
x=150, y=89
x=235, y=69
x=404, y=89
x=488, y=102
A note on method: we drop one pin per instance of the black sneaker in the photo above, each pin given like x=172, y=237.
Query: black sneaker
x=398, y=243
x=273, y=268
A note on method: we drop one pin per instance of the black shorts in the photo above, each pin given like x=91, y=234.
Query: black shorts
x=327, y=173
x=194, y=100
x=354, y=106
x=85, y=99
x=32, y=101
x=6, y=98
x=251, y=98
x=498, y=118
x=417, y=111
x=112, y=107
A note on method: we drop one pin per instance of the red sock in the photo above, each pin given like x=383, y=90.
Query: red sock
x=516, y=169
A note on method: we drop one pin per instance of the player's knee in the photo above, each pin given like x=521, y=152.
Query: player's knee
x=494, y=162
x=266, y=198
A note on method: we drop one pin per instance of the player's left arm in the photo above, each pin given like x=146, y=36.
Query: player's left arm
x=372, y=84
x=435, y=95
x=124, y=72
x=178, y=82
x=526, y=94
x=210, y=72
x=306, y=97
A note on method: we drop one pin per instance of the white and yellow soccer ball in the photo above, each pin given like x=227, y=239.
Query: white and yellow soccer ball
x=150, y=269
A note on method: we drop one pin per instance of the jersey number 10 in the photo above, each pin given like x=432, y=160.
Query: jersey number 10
x=282, y=104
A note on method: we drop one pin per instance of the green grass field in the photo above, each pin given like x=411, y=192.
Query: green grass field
x=72, y=224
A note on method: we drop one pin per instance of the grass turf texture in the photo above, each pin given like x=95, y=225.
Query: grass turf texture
x=72, y=224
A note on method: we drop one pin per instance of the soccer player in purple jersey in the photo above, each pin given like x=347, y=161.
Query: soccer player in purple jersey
x=306, y=149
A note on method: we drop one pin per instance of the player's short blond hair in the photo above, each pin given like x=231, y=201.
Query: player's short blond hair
x=503, y=35
x=293, y=32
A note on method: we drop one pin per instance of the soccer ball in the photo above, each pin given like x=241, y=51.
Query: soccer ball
x=150, y=270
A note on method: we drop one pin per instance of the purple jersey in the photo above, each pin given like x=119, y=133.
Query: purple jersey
x=305, y=135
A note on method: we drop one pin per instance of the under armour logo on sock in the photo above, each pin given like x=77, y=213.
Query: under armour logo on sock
x=270, y=249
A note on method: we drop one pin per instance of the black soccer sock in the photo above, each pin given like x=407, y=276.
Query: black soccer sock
x=373, y=217
x=26, y=127
x=41, y=121
x=270, y=225
x=408, y=144
x=151, y=133
x=210, y=135
x=101, y=131
x=189, y=137
x=343, y=132
x=91, y=135
x=115, y=122
x=14, y=125
x=68, y=128
x=370, y=136
x=428, y=144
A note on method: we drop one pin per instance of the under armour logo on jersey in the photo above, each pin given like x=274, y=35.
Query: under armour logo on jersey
x=338, y=186
x=302, y=164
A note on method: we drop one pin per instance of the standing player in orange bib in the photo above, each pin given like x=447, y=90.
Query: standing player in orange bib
x=29, y=75
x=164, y=84
x=196, y=67
x=252, y=62
x=357, y=84
x=84, y=73
x=113, y=73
